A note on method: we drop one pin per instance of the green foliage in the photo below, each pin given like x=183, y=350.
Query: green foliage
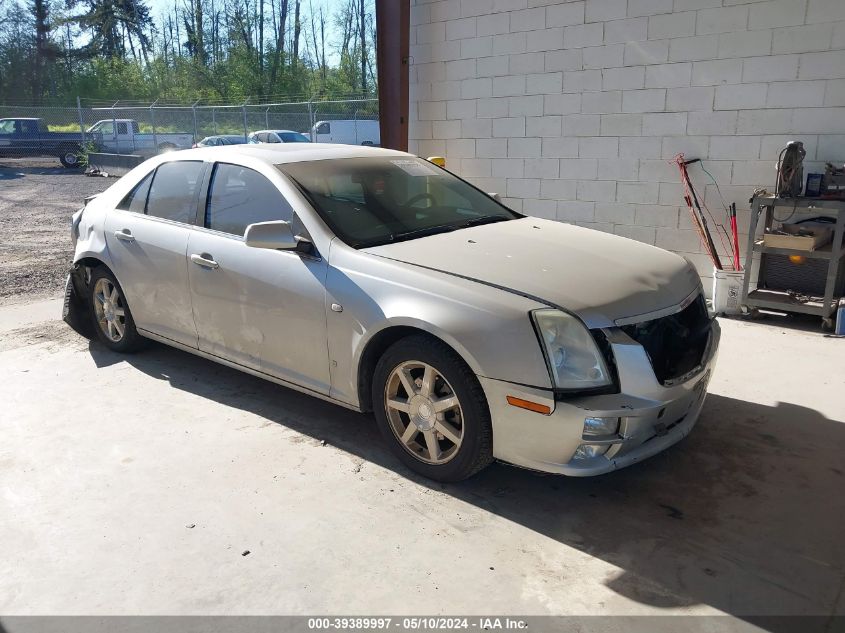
x=52, y=52
x=87, y=148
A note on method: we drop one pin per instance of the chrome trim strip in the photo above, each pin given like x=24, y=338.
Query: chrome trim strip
x=663, y=312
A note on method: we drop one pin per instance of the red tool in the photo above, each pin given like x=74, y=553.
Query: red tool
x=735, y=238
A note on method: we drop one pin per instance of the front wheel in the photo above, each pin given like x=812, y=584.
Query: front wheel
x=431, y=410
x=110, y=313
x=69, y=158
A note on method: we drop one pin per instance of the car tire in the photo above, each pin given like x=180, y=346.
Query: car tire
x=110, y=314
x=463, y=435
x=69, y=158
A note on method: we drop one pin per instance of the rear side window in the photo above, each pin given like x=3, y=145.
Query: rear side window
x=136, y=199
x=239, y=197
x=173, y=192
x=293, y=137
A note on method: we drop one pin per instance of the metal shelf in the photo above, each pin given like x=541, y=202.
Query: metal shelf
x=825, y=252
x=833, y=253
x=781, y=300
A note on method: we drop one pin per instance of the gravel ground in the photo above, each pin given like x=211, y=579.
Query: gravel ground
x=36, y=202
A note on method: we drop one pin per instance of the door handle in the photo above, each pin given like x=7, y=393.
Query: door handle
x=205, y=260
x=125, y=235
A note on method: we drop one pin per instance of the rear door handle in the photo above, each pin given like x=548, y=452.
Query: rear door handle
x=125, y=235
x=205, y=260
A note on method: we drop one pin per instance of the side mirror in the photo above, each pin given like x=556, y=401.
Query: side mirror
x=495, y=196
x=276, y=235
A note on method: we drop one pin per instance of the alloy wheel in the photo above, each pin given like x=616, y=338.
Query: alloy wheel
x=110, y=310
x=424, y=412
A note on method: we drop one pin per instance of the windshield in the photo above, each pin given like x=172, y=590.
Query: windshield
x=372, y=201
x=293, y=137
x=7, y=126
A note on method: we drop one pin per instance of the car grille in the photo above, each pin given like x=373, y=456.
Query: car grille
x=675, y=344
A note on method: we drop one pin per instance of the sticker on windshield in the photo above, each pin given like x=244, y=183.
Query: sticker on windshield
x=414, y=168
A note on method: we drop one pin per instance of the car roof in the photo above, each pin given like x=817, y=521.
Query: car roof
x=20, y=118
x=279, y=153
x=277, y=131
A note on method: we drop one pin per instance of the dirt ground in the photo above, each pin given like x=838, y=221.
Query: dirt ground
x=163, y=483
x=37, y=200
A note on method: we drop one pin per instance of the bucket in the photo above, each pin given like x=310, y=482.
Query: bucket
x=727, y=291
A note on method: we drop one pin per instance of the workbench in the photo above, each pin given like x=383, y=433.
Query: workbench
x=783, y=300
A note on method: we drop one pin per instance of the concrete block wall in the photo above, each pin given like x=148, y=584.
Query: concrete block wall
x=573, y=110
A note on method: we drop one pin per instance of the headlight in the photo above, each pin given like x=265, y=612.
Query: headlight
x=572, y=353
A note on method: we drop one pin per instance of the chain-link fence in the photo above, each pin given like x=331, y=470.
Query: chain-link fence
x=147, y=129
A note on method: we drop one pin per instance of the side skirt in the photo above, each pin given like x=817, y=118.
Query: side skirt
x=248, y=370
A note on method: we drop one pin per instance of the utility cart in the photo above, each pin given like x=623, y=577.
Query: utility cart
x=807, y=280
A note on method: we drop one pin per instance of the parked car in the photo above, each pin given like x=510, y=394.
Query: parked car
x=378, y=281
x=277, y=136
x=26, y=137
x=347, y=131
x=221, y=139
x=123, y=136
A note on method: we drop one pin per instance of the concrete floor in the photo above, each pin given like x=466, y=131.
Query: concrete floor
x=106, y=460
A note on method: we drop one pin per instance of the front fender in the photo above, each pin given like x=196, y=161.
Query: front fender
x=490, y=328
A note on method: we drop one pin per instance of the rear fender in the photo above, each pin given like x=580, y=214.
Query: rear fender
x=88, y=234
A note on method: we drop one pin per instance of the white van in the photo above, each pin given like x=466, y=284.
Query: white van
x=347, y=132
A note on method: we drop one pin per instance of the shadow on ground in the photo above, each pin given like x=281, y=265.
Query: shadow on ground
x=745, y=515
x=11, y=170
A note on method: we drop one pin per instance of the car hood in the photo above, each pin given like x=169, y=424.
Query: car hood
x=600, y=277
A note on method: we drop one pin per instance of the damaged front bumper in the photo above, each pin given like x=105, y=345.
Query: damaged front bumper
x=651, y=416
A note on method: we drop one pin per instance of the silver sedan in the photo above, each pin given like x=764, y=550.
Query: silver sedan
x=381, y=282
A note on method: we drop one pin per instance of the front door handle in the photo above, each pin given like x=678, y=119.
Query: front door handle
x=124, y=235
x=205, y=260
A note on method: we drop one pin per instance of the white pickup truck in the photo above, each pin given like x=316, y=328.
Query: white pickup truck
x=123, y=136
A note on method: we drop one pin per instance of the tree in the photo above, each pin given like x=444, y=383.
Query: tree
x=53, y=50
x=40, y=10
x=362, y=31
x=280, y=41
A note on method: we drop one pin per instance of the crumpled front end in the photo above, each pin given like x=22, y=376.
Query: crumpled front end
x=662, y=383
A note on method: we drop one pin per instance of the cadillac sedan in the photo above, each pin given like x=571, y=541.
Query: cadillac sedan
x=376, y=280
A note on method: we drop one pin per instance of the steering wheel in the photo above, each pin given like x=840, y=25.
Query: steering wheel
x=422, y=196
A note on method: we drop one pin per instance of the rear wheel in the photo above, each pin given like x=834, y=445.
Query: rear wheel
x=111, y=315
x=431, y=410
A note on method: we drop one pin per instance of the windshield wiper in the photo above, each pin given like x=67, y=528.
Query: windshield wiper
x=432, y=230
x=425, y=232
x=485, y=219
